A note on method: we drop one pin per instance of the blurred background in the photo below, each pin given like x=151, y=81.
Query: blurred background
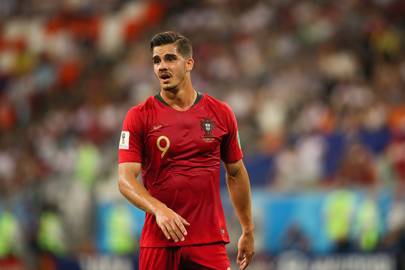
x=318, y=88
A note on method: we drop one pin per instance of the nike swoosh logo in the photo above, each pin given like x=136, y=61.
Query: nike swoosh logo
x=156, y=127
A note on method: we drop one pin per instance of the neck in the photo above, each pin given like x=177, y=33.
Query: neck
x=181, y=98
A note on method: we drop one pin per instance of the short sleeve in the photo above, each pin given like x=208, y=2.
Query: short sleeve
x=230, y=147
x=130, y=147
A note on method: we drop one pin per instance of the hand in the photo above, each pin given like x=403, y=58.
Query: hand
x=245, y=250
x=171, y=224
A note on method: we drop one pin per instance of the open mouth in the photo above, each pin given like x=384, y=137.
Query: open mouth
x=164, y=77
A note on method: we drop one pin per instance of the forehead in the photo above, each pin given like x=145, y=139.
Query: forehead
x=165, y=49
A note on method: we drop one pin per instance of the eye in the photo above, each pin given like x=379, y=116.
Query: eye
x=156, y=60
x=170, y=57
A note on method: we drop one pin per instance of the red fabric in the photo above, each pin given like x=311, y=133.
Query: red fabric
x=188, y=257
x=396, y=120
x=152, y=14
x=80, y=26
x=86, y=27
x=11, y=264
x=357, y=167
x=7, y=115
x=397, y=155
x=69, y=73
x=181, y=169
x=17, y=44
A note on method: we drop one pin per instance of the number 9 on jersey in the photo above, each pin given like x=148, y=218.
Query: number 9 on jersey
x=163, y=144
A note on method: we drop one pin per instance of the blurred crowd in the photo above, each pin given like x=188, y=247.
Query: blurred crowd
x=317, y=86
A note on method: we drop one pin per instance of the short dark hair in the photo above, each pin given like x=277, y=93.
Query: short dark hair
x=182, y=43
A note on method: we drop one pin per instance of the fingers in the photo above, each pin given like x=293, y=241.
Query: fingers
x=174, y=230
x=174, y=233
x=169, y=231
x=245, y=250
x=240, y=257
x=165, y=232
x=181, y=227
x=177, y=229
x=243, y=260
x=185, y=222
x=171, y=224
x=243, y=265
x=249, y=257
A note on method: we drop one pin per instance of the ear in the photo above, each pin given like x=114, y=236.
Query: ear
x=189, y=64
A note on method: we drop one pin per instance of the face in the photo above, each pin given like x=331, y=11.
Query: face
x=170, y=67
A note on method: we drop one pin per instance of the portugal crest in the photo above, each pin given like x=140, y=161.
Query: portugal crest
x=207, y=126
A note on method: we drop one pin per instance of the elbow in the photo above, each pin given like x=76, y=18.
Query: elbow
x=122, y=184
x=126, y=172
x=234, y=172
x=231, y=178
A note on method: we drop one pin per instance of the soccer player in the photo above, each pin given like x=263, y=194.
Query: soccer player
x=177, y=139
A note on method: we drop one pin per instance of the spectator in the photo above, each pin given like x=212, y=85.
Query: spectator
x=339, y=210
x=357, y=168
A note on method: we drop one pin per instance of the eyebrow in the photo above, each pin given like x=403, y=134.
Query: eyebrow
x=156, y=57
x=170, y=55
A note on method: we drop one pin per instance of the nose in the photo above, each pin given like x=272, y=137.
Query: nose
x=162, y=66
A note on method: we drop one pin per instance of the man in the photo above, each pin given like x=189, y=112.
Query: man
x=177, y=139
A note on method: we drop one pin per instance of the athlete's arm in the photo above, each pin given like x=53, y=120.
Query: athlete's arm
x=239, y=189
x=171, y=224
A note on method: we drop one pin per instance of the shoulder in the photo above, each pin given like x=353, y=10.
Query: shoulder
x=219, y=105
x=142, y=108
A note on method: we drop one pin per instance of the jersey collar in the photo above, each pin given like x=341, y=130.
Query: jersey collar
x=160, y=98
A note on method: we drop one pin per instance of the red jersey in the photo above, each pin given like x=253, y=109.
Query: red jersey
x=180, y=153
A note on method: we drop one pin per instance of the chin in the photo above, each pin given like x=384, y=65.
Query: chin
x=169, y=87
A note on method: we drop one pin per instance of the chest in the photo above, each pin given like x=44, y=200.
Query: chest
x=184, y=135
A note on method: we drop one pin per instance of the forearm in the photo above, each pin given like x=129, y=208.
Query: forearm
x=136, y=193
x=171, y=224
x=240, y=194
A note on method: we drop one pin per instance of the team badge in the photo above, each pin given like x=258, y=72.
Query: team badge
x=207, y=126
